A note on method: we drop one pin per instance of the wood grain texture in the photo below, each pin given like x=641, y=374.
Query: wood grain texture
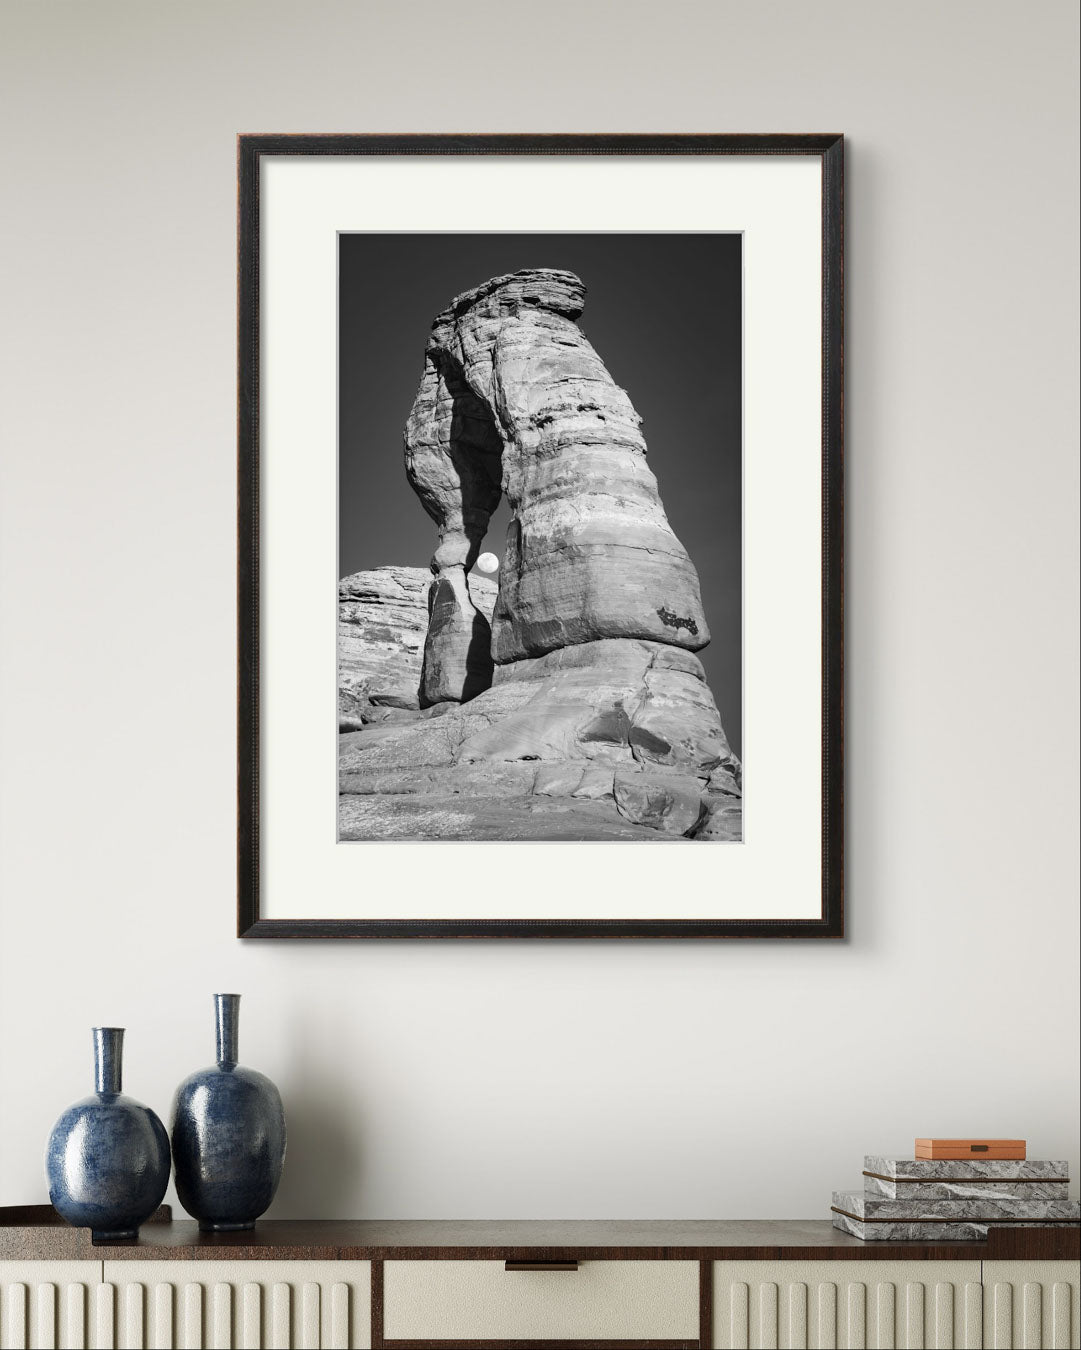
x=986, y=1149
x=524, y=1240
x=377, y=1305
x=44, y=1216
x=705, y=1303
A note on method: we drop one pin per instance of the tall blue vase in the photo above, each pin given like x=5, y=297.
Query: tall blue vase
x=228, y=1131
x=107, y=1160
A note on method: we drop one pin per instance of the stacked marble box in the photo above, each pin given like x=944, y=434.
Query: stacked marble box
x=921, y=1199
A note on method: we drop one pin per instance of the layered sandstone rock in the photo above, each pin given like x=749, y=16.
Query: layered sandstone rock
x=514, y=397
x=582, y=712
x=623, y=734
x=382, y=624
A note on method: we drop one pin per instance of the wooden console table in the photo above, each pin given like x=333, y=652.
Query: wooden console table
x=401, y=1284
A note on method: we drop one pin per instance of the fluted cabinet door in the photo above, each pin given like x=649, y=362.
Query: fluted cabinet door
x=240, y=1305
x=1031, y=1304
x=45, y=1305
x=847, y=1305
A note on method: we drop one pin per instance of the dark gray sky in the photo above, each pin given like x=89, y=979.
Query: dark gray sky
x=664, y=312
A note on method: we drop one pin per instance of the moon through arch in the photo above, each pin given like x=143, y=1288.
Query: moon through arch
x=488, y=562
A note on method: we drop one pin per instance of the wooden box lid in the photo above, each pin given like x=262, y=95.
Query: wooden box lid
x=970, y=1148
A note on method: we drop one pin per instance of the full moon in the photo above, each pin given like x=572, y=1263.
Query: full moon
x=488, y=562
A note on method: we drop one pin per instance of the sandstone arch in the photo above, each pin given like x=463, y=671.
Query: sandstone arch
x=581, y=711
x=514, y=399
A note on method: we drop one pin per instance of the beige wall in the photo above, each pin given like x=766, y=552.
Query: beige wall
x=542, y=1079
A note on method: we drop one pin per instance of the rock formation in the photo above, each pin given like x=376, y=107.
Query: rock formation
x=514, y=398
x=382, y=623
x=577, y=710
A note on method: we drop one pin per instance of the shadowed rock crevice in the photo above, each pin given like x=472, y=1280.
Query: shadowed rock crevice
x=454, y=466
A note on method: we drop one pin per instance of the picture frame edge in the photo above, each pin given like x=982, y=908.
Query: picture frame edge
x=830, y=148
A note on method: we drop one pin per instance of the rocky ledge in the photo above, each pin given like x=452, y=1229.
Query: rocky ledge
x=613, y=739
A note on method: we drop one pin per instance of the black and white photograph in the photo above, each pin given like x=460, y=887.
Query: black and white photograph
x=540, y=541
x=540, y=537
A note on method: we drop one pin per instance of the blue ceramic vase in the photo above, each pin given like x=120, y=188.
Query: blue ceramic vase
x=228, y=1135
x=107, y=1160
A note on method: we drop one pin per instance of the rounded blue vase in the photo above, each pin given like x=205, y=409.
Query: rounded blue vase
x=228, y=1131
x=107, y=1160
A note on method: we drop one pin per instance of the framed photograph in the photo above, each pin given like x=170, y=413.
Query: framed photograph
x=540, y=536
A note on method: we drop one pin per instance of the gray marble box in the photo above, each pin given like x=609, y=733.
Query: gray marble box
x=964, y=1169
x=987, y=1209
x=920, y=1232
x=969, y=1188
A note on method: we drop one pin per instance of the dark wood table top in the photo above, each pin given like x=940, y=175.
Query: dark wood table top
x=36, y=1232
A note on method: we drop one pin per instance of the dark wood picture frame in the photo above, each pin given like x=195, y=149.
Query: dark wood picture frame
x=829, y=150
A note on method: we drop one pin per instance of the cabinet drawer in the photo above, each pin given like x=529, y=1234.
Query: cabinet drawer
x=463, y=1302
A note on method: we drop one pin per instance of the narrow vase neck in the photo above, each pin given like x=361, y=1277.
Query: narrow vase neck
x=108, y=1059
x=227, y=1010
